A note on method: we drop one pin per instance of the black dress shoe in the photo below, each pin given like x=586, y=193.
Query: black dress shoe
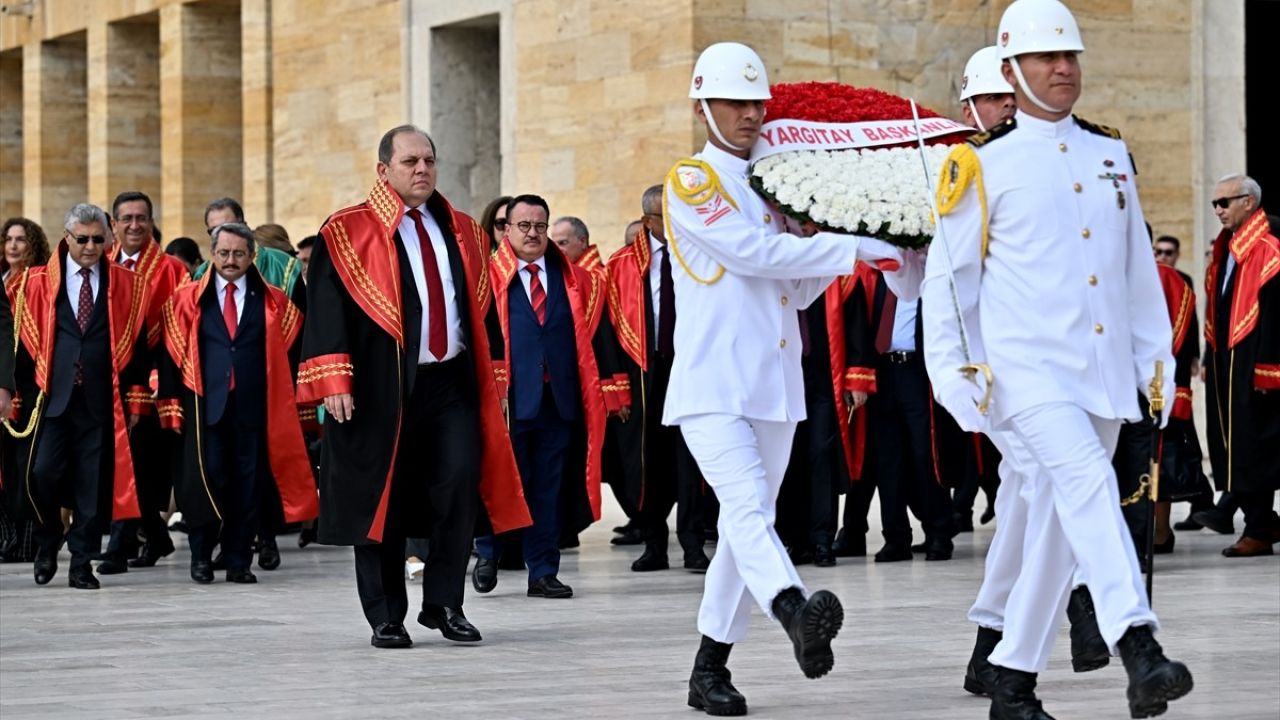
x=800, y=556
x=45, y=566
x=811, y=624
x=1088, y=650
x=632, y=536
x=241, y=576
x=823, y=556
x=451, y=623
x=893, y=553
x=938, y=550
x=269, y=554
x=550, y=587
x=202, y=571
x=1013, y=696
x=569, y=542
x=979, y=677
x=989, y=514
x=83, y=579
x=1190, y=525
x=1154, y=680
x=149, y=555
x=391, y=635
x=710, y=684
x=219, y=561
x=1216, y=520
x=484, y=576
x=1166, y=547
x=112, y=565
x=650, y=560
x=849, y=544
x=964, y=521
x=920, y=547
x=306, y=536
x=696, y=562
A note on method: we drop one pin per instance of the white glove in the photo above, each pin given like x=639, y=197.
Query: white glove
x=872, y=249
x=906, y=280
x=960, y=397
x=1170, y=391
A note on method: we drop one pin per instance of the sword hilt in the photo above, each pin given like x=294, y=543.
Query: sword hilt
x=1156, y=395
x=971, y=372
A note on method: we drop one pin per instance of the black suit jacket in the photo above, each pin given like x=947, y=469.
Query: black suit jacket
x=90, y=350
x=221, y=356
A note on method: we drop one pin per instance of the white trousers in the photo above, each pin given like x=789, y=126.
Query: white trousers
x=1061, y=458
x=743, y=460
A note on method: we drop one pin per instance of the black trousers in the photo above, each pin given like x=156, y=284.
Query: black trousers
x=809, y=500
x=902, y=430
x=982, y=461
x=238, y=472
x=1260, y=519
x=70, y=470
x=153, y=449
x=439, y=454
x=672, y=478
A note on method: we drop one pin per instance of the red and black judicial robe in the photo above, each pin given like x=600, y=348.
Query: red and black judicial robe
x=36, y=317
x=586, y=303
x=1242, y=358
x=1180, y=297
x=180, y=403
x=161, y=274
x=355, y=344
x=848, y=304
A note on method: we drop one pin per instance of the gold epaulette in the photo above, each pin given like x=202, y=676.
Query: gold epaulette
x=995, y=133
x=962, y=169
x=1102, y=130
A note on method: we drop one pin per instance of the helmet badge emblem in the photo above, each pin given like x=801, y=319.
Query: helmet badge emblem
x=750, y=73
x=697, y=83
x=1004, y=39
x=1058, y=30
x=964, y=82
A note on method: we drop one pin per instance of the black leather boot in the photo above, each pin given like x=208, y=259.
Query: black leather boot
x=811, y=624
x=1088, y=649
x=979, y=677
x=710, y=689
x=1013, y=696
x=1154, y=679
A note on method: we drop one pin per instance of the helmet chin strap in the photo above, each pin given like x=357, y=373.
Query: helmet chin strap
x=976, y=117
x=1026, y=89
x=711, y=123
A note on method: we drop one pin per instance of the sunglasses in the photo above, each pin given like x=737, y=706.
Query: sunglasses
x=82, y=239
x=500, y=223
x=1223, y=203
x=1170, y=253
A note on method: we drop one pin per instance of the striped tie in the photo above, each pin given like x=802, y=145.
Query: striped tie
x=537, y=296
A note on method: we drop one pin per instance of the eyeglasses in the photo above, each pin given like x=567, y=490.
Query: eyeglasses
x=130, y=219
x=1161, y=252
x=1223, y=203
x=224, y=254
x=500, y=223
x=538, y=228
x=82, y=239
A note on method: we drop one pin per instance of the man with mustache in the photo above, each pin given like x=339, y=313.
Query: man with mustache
x=1057, y=260
x=227, y=386
x=737, y=389
x=82, y=345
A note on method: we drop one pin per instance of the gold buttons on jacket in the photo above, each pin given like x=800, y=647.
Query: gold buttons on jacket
x=1085, y=233
x=785, y=300
x=1077, y=187
x=1062, y=147
x=1098, y=328
x=782, y=343
x=1093, y=279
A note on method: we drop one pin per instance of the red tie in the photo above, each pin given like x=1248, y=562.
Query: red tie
x=884, y=333
x=537, y=296
x=130, y=264
x=83, y=311
x=437, y=333
x=229, y=317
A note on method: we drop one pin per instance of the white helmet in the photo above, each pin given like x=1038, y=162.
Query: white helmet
x=982, y=75
x=1030, y=26
x=729, y=71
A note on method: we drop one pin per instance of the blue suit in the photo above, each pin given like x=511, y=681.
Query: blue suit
x=546, y=401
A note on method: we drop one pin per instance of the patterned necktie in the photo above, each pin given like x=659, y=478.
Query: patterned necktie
x=85, y=308
x=229, y=317
x=130, y=264
x=884, y=333
x=437, y=332
x=666, y=306
x=537, y=295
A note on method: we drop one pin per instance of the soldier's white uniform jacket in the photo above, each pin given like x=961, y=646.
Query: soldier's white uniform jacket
x=737, y=339
x=1053, y=269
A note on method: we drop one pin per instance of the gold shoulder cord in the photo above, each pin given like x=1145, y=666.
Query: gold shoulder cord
x=961, y=169
x=693, y=196
x=19, y=306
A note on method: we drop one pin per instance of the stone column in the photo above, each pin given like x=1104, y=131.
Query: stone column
x=54, y=129
x=124, y=109
x=256, y=89
x=11, y=133
x=200, y=106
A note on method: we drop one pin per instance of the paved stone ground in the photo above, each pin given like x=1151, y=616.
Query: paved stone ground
x=151, y=644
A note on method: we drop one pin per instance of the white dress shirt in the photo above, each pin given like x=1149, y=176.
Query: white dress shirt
x=124, y=259
x=220, y=284
x=526, y=277
x=904, y=327
x=655, y=281
x=413, y=252
x=72, y=273
x=1067, y=305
